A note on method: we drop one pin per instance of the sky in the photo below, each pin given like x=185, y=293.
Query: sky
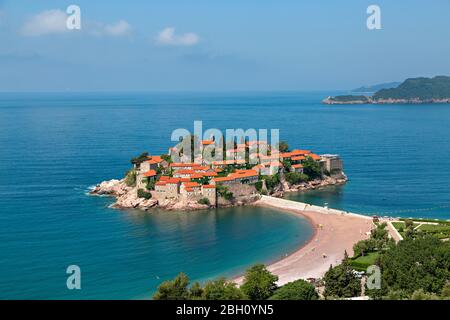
x=233, y=45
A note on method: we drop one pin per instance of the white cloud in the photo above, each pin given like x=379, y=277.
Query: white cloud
x=46, y=22
x=121, y=28
x=168, y=37
x=54, y=22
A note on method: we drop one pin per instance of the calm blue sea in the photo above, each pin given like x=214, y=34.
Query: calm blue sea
x=54, y=146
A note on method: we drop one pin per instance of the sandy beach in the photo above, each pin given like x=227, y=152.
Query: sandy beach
x=335, y=232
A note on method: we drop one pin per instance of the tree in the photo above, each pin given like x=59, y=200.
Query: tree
x=409, y=223
x=195, y=291
x=259, y=283
x=361, y=248
x=272, y=181
x=283, y=146
x=139, y=159
x=311, y=168
x=176, y=289
x=166, y=158
x=422, y=295
x=221, y=289
x=445, y=292
x=150, y=185
x=295, y=177
x=379, y=237
x=296, y=290
x=340, y=281
x=413, y=264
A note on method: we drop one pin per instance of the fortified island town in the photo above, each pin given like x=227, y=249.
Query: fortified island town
x=251, y=169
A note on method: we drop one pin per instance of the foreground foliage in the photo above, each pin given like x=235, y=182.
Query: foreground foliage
x=413, y=267
x=340, y=281
x=296, y=290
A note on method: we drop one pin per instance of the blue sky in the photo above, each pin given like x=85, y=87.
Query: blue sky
x=219, y=45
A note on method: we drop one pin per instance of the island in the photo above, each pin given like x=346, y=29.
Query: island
x=250, y=169
x=412, y=91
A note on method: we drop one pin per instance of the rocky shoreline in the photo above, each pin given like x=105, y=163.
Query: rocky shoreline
x=370, y=100
x=126, y=197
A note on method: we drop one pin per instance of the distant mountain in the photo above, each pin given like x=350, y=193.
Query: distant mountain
x=414, y=90
x=377, y=87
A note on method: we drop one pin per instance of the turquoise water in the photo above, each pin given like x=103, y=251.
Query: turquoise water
x=54, y=146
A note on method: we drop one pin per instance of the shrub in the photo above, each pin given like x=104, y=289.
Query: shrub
x=224, y=192
x=258, y=186
x=272, y=181
x=141, y=193
x=130, y=178
x=204, y=201
x=296, y=290
x=295, y=177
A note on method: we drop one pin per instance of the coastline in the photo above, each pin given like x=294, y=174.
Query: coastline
x=369, y=100
x=126, y=197
x=334, y=232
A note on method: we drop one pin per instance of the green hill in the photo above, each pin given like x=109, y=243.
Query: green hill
x=414, y=90
x=418, y=88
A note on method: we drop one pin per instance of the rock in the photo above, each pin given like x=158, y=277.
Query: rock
x=112, y=187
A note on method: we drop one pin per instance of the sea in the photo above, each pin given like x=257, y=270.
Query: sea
x=56, y=146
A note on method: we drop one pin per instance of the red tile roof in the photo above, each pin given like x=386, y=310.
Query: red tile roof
x=185, y=171
x=244, y=174
x=300, y=152
x=221, y=179
x=297, y=166
x=209, y=174
x=154, y=159
x=190, y=184
x=207, y=142
x=314, y=156
x=187, y=164
x=208, y=186
x=298, y=158
x=150, y=173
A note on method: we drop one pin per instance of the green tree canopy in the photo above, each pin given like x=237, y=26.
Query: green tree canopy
x=414, y=264
x=340, y=281
x=221, y=289
x=139, y=159
x=259, y=283
x=283, y=146
x=296, y=290
x=311, y=168
x=176, y=289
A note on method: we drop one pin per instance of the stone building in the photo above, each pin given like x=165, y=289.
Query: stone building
x=332, y=163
